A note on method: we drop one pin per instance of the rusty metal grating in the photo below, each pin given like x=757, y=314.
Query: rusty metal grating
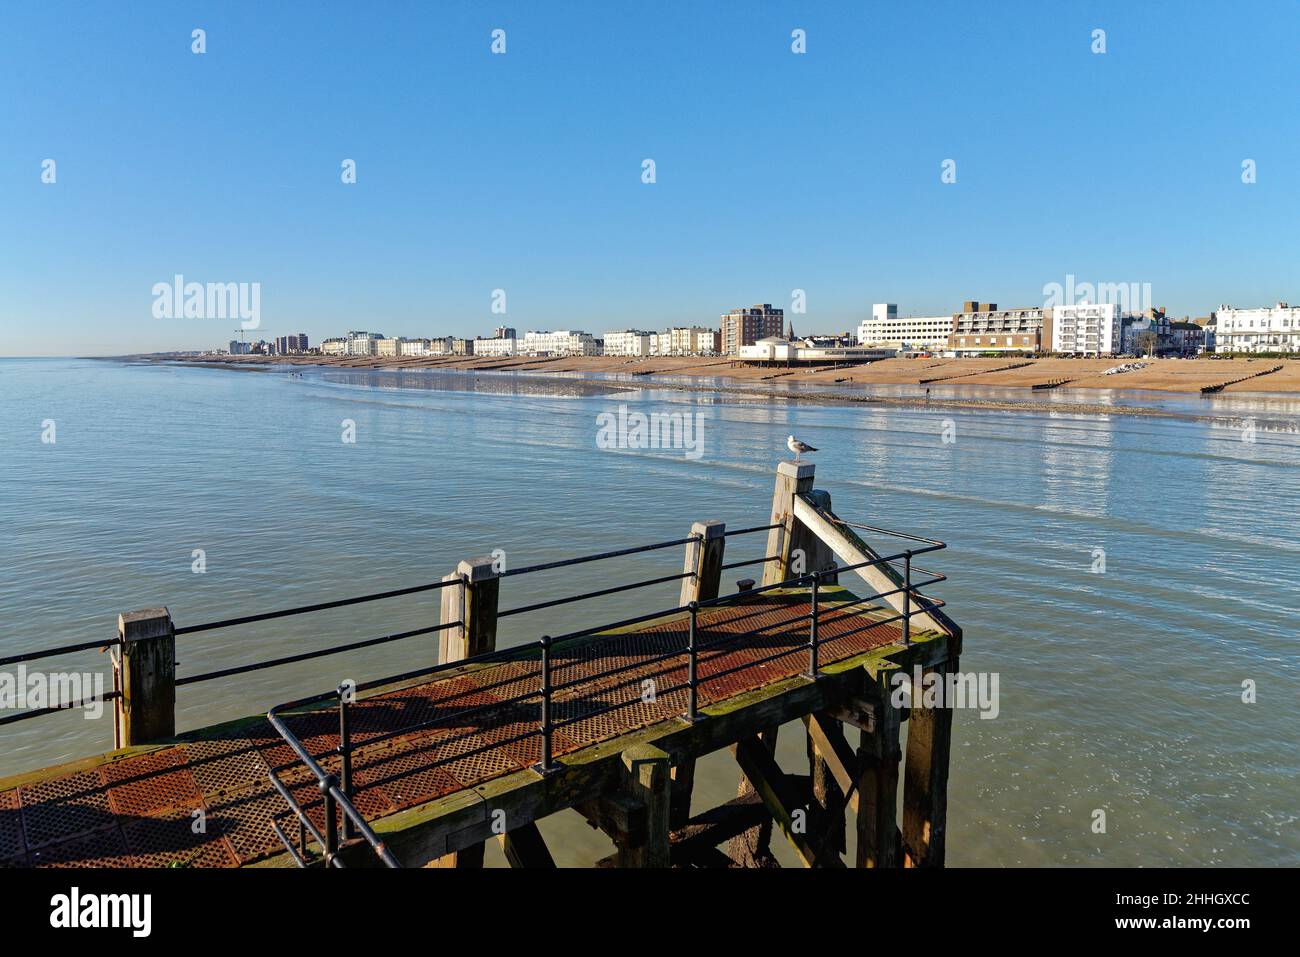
x=408, y=773
x=224, y=764
x=148, y=783
x=244, y=819
x=59, y=808
x=12, y=844
x=178, y=838
x=105, y=847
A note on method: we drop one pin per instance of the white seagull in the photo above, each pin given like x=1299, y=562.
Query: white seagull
x=797, y=447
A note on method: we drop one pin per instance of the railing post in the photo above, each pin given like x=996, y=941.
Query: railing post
x=345, y=752
x=144, y=673
x=474, y=605
x=703, y=562
x=545, y=765
x=692, y=713
x=792, y=479
x=812, y=627
x=907, y=597
x=331, y=819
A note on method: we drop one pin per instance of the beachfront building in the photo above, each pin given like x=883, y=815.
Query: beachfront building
x=389, y=347
x=1149, y=334
x=564, y=342
x=687, y=341
x=1266, y=329
x=497, y=347
x=825, y=351
x=462, y=347
x=1086, y=329
x=414, y=347
x=335, y=346
x=363, y=343
x=708, y=342
x=906, y=334
x=981, y=327
x=629, y=342
x=504, y=332
x=291, y=345
x=746, y=326
x=238, y=348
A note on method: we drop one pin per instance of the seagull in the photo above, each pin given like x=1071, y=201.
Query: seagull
x=797, y=447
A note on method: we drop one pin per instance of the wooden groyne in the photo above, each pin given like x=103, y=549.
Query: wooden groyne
x=423, y=768
x=1220, y=386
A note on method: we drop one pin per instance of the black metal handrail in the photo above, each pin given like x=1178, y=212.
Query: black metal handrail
x=338, y=792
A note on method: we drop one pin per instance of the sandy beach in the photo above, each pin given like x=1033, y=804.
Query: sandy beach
x=1160, y=375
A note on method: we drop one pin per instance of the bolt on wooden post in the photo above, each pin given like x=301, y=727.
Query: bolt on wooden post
x=144, y=675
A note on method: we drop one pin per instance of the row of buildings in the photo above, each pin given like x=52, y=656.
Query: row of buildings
x=759, y=333
x=1083, y=329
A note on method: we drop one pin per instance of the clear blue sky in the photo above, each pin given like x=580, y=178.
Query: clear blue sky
x=775, y=171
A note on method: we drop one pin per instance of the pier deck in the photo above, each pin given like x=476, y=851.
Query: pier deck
x=138, y=806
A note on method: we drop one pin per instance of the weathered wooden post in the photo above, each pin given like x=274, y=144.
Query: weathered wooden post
x=646, y=784
x=791, y=479
x=144, y=675
x=704, y=565
x=878, y=757
x=474, y=605
x=925, y=777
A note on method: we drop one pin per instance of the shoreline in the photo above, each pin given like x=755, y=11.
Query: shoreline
x=1176, y=378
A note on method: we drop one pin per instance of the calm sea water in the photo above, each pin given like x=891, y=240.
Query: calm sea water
x=1119, y=690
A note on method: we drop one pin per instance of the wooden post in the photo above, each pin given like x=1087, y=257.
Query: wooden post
x=646, y=783
x=925, y=780
x=474, y=605
x=753, y=847
x=704, y=564
x=524, y=847
x=827, y=794
x=791, y=480
x=878, y=756
x=144, y=673
x=820, y=555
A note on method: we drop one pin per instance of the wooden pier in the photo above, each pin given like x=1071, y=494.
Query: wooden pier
x=422, y=769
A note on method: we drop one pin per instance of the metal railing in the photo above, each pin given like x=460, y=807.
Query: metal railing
x=338, y=791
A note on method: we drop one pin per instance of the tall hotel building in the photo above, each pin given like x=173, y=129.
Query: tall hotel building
x=744, y=327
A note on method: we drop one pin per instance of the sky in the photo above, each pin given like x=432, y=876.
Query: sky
x=522, y=171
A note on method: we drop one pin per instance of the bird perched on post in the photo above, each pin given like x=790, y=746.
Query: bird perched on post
x=797, y=447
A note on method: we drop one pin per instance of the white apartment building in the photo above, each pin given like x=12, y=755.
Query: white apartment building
x=563, y=342
x=1266, y=329
x=414, y=347
x=504, y=346
x=707, y=342
x=780, y=349
x=686, y=341
x=911, y=333
x=628, y=342
x=1087, y=329
x=362, y=343
x=334, y=347
x=389, y=347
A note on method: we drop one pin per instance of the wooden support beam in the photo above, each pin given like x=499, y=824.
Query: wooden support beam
x=831, y=783
x=877, y=807
x=646, y=782
x=524, y=847
x=144, y=674
x=782, y=801
x=820, y=555
x=695, y=842
x=753, y=848
x=474, y=605
x=791, y=481
x=704, y=564
x=852, y=551
x=925, y=780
